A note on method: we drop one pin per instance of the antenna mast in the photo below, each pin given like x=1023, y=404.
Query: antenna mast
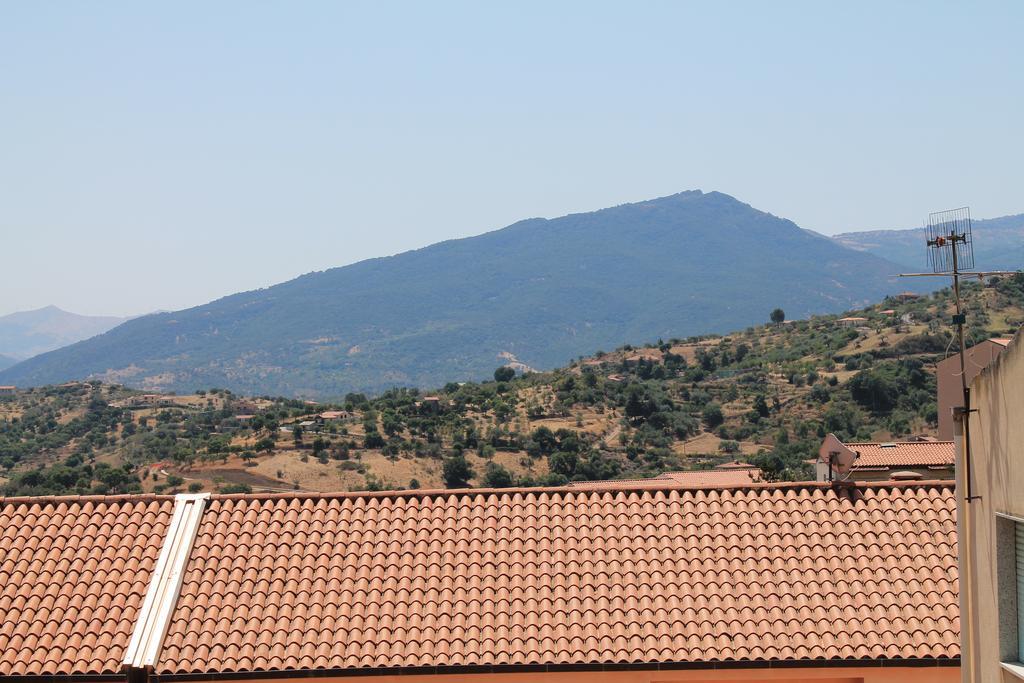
x=950, y=251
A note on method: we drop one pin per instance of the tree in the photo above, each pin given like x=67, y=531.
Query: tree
x=639, y=405
x=543, y=442
x=373, y=439
x=761, y=405
x=457, y=471
x=712, y=415
x=504, y=374
x=297, y=434
x=564, y=463
x=497, y=477
x=778, y=316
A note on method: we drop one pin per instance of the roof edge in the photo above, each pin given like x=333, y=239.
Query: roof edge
x=897, y=443
x=582, y=489
x=918, y=662
x=579, y=488
x=90, y=498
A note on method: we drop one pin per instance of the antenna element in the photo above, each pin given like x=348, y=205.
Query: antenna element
x=950, y=249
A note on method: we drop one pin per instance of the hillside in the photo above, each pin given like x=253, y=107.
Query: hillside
x=7, y=361
x=540, y=292
x=27, y=333
x=767, y=394
x=998, y=244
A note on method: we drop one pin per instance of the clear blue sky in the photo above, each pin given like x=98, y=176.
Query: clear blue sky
x=159, y=155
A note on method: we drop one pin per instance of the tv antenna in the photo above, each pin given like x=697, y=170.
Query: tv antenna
x=951, y=254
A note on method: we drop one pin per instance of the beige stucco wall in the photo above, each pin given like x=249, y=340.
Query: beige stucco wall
x=996, y=433
x=930, y=674
x=950, y=391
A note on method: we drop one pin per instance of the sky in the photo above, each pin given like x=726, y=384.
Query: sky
x=156, y=156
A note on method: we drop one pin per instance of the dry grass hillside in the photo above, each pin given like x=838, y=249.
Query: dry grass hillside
x=767, y=394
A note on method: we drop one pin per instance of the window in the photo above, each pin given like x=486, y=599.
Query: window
x=1010, y=572
x=1019, y=552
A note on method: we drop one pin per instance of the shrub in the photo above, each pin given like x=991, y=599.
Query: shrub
x=457, y=471
x=712, y=415
x=497, y=477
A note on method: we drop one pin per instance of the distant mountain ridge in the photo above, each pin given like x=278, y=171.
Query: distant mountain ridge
x=998, y=244
x=541, y=291
x=27, y=333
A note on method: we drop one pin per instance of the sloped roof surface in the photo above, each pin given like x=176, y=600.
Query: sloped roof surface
x=903, y=454
x=733, y=476
x=73, y=573
x=705, y=478
x=735, y=465
x=563, y=576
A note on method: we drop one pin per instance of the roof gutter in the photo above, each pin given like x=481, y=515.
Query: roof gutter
x=923, y=662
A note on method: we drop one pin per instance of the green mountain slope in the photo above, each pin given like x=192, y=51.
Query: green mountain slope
x=998, y=244
x=541, y=291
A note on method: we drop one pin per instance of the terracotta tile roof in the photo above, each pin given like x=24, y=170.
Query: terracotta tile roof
x=735, y=465
x=903, y=454
x=706, y=478
x=568, y=576
x=697, y=479
x=73, y=572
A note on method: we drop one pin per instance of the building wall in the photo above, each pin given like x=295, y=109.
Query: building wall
x=924, y=674
x=950, y=391
x=996, y=433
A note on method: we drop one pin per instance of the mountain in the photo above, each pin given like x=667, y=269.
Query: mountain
x=28, y=333
x=998, y=244
x=7, y=361
x=538, y=292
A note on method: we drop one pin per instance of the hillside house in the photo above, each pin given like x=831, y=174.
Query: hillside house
x=144, y=401
x=947, y=375
x=7, y=390
x=991, y=514
x=852, y=321
x=884, y=461
x=429, y=405
x=907, y=297
x=793, y=582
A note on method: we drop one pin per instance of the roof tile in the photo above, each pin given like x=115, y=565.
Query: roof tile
x=72, y=577
x=569, y=576
x=731, y=474
x=903, y=454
